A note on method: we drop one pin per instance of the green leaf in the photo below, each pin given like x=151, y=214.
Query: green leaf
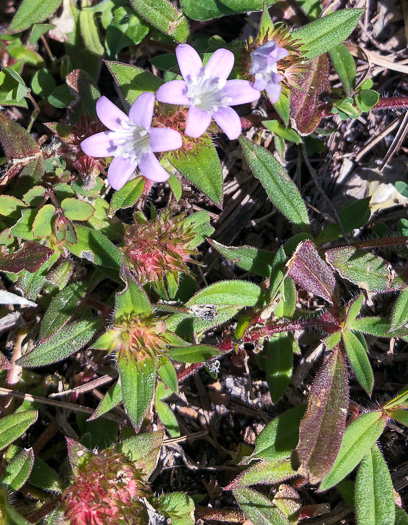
x=32, y=12
x=163, y=16
x=368, y=271
x=376, y=326
x=209, y=9
x=138, y=380
x=283, y=105
x=366, y=99
x=168, y=374
x=359, y=361
x=132, y=300
x=279, y=437
x=177, y=506
x=34, y=196
x=18, y=470
x=258, y=508
x=77, y=210
x=276, y=359
x=38, y=30
x=164, y=412
x=62, y=307
x=126, y=196
x=132, y=80
x=322, y=428
x=10, y=206
x=189, y=323
x=193, y=353
x=144, y=450
x=202, y=167
x=14, y=426
x=111, y=399
x=237, y=293
x=61, y=97
x=324, y=34
x=353, y=309
x=281, y=190
x=91, y=39
x=61, y=345
x=251, y=259
x=265, y=472
x=43, y=83
x=45, y=477
x=399, y=316
x=399, y=415
x=42, y=225
x=288, y=134
x=374, y=493
x=358, y=439
x=95, y=247
x=345, y=67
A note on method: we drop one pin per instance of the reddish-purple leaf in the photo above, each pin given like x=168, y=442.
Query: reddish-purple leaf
x=4, y=362
x=17, y=142
x=31, y=257
x=309, y=271
x=309, y=103
x=322, y=428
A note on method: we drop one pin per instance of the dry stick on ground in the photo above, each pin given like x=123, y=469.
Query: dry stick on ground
x=389, y=129
x=397, y=142
x=55, y=403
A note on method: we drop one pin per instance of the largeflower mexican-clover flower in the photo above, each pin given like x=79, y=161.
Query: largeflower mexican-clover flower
x=264, y=68
x=131, y=141
x=208, y=92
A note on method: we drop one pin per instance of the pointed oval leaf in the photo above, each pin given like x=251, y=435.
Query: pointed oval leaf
x=14, y=426
x=374, y=493
x=111, y=399
x=258, y=508
x=251, y=259
x=377, y=326
x=353, y=309
x=144, y=450
x=126, y=196
x=193, y=353
x=132, y=80
x=281, y=190
x=209, y=9
x=202, y=167
x=64, y=343
x=358, y=439
x=10, y=206
x=322, y=428
x=325, y=33
x=237, y=293
x=309, y=271
x=399, y=316
x=132, y=300
x=18, y=470
x=359, y=361
x=32, y=12
x=30, y=258
x=95, y=247
x=265, y=472
x=138, y=381
x=279, y=437
x=277, y=361
x=63, y=306
x=168, y=374
x=345, y=67
x=164, y=17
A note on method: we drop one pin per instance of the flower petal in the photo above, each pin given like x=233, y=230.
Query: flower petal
x=189, y=60
x=281, y=53
x=141, y=111
x=240, y=91
x=220, y=63
x=197, y=122
x=99, y=145
x=173, y=92
x=274, y=92
x=164, y=139
x=229, y=121
x=109, y=114
x=151, y=168
x=120, y=171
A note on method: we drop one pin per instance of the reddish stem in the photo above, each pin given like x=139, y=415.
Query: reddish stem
x=392, y=103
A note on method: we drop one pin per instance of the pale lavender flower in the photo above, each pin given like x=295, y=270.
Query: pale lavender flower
x=264, y=68
x=132, y=141
x=208, y=92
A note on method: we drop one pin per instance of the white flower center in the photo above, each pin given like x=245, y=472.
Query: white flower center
x=206, y=91
x=131, y=141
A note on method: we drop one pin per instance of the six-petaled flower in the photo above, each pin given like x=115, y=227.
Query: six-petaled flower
x=264, y=69
x=208, y=92
x=131, y=141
